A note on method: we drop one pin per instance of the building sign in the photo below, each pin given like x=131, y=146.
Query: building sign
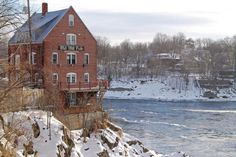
x=71, y=48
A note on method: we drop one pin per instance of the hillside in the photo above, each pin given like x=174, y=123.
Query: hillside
x=168, y=88
x=26, y=133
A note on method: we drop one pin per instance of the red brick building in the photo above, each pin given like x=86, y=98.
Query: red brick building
x=62, y=55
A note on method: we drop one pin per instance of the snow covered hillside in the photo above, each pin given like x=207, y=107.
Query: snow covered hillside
x=27, y=133
x=164, y=89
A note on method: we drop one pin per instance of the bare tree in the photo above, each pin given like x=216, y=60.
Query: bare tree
x=11, y=16
x=205, y=56
x=138, y=55
x=160, y=43
x=103, y=46
x=126, y=50
x=178, y=43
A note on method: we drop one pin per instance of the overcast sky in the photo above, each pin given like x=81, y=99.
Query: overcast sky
x=140, y=20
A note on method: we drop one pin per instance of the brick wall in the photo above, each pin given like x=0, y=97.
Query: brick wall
x=23, y=50
x=83, y=120
x=84, y=38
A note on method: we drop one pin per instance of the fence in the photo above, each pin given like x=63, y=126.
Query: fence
x=21, y=99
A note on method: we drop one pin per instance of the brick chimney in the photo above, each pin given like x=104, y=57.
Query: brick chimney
x=44, y=9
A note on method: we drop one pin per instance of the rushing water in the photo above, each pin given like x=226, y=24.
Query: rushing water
x=201, y=129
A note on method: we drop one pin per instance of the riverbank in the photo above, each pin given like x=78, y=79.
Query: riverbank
x=165, y=89
x=27, y=133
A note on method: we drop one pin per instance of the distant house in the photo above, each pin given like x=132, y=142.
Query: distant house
x=168, y=56
x=63, y=55
x=170, y=61
x=227, y=74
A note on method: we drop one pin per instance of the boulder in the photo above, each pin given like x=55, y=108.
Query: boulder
x=210, y=95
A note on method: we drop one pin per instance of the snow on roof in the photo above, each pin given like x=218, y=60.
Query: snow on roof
x=168, y=56
x=41, y=25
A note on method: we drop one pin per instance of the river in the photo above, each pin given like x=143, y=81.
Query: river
x=201, y=129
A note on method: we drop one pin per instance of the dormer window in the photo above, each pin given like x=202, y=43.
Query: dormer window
x=71, y=20
x=71, y=39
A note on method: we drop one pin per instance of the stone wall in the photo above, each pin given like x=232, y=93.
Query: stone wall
x=83, y=120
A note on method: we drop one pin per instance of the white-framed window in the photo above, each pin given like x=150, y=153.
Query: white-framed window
x=71, y=58
x=71, y=97
x=17, y=61
x=86, y=58
x=71, y=39
x=71, y=20
x=55, y=78
x=71, y=77
x=32, y=58
x=54, y=58
x=86, y=77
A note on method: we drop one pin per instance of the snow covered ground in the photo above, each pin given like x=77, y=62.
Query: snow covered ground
x=164, y=89
x=28, y=129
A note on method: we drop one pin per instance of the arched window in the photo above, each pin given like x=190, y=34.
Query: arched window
x=55, y=78
x=71, y=58
x=71, y=77
x=54, y=58
x=71, y=20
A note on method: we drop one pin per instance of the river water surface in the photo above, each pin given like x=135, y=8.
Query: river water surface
x=201, y=129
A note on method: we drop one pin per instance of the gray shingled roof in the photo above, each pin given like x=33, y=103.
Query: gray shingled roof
x=41, y=26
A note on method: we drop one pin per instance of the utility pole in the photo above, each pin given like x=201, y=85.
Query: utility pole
x=234, y=67
x=30, y=41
